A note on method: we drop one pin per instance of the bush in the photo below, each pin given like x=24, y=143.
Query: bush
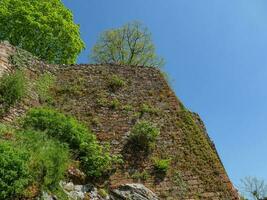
x=140, y=175
x=115, y=104
x=12, y=89
x=116, y=82
x=148, y=109
x=95, y=159
x=43, y=84
x=14, y=172
x=144, y=135
x=162, y=165
x=49, y=159
x=58, y=125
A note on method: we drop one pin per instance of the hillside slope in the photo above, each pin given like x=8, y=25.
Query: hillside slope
x=111, y=100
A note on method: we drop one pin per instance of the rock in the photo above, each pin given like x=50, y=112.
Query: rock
x=47, y=196
x=133, y=192
x=68, y=186
x=80, y=192
x=76, y=175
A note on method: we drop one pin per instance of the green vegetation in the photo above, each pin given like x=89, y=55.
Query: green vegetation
x=102, y=101
x=96, y=160
x=144, y=175
x=182, y=186
x=161, y=165
x=116, y=82
x=103, y=193
x=129, y=45
x=12, y=89
x=29, y=158
x=43, y=86
x=44, y=28
x=127, y=107
x=198, y=153
x=115, y=104
x=145, y=108
x=14, y=171
x=74, y=87
x=144, y=135
x=21, y=59
x=49, y=159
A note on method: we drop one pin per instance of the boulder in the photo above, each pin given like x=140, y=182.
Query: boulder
x=133, y=192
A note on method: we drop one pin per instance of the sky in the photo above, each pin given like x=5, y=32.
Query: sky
x=216, y=55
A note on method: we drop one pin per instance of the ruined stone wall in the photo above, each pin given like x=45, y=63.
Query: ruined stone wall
x=31, y=66
x=84, y=91
x=196, y=171
x=5, y=51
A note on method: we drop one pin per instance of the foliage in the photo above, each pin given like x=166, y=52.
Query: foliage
x=95, y=159
x=116, y=82
x=254, y=188
x=127, y=107
x=103, y=193
x=21, y=59
x=129, y=45
x=144, y=135
x=114, y=104
x=181, y=184
x=12, y=89
x=49, y=159
x=44, y=28
x=43, y=86
x=45, y=160
x=14, y=172
x=145, y=108
x=161, y=165
x=140, y=175
x=102, y=101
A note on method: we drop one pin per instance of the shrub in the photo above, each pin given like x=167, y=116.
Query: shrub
x=14, y=172
x=57, y=125
x=127, y=107
x=144, y=135
x=43, y=84
x=102, y=101
x=95, y=159
x=148, y=109
x=115, y=104
x=162, y=165
x=116, y=82
x=12, y=89
x=140, y=175
x=49, y=158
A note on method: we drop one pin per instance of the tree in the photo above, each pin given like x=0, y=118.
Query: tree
x=254, y=188
x=129, y=45
x=44, y=28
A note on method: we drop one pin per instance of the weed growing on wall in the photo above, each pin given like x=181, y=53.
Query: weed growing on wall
x=144, y=135
x=43, y=86
x=12, y=90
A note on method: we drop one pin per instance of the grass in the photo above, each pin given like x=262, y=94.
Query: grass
x=13, y=88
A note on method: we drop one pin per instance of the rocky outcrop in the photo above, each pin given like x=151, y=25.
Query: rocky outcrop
x=133, y=192
x=88, y=191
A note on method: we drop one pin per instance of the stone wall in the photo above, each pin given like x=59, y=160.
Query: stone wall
x=84, y=91
x=5, y=51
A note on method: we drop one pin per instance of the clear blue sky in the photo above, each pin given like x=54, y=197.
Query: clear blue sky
x=216, y=51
